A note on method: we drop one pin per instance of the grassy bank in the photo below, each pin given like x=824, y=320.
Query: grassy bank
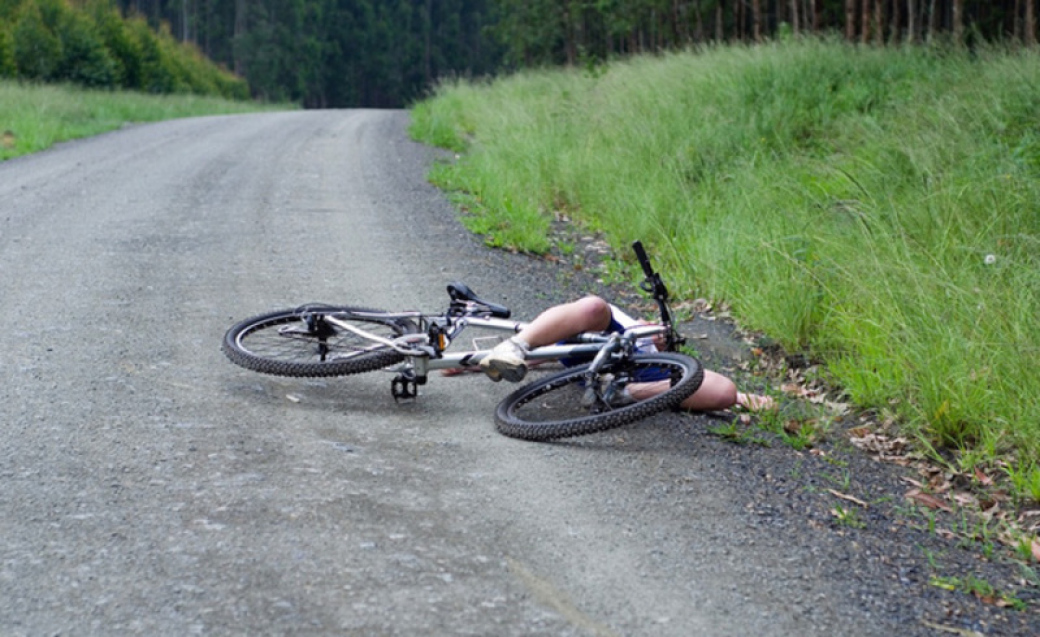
x=875, y=208
x=34, y=117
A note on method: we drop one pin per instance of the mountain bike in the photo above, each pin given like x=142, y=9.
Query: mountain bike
x=319, y=340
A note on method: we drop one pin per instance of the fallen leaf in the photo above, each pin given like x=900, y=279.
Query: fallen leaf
x=950, y=629
x=984, y=479
x=850, y=498
x=839, y=408
x=859, y=432
x=927, y=500
x=965, y=499
x=1036, y=549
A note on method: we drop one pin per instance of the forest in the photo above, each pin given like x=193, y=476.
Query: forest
x=387, y=53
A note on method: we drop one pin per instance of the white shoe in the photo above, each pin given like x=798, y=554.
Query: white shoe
x=505, y=360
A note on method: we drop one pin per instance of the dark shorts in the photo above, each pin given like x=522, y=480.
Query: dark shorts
x=648, y=375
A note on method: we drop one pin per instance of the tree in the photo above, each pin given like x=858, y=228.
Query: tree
x=37, y=51
x=1030, y=23
x=7, y=65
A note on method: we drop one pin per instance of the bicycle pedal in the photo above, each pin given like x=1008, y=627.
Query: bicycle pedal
x=404, y=387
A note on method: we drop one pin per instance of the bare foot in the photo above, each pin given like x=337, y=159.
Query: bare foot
x=755, y=402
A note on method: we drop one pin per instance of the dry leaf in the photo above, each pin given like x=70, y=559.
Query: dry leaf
x=850, y=498
x=1036, y=549
x=926, y=499
x=965, y=499
x=984, y=479
x=950, y=629
x=859, y=432
x=838, y=408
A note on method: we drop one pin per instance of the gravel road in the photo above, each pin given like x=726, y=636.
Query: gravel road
x=151, y=487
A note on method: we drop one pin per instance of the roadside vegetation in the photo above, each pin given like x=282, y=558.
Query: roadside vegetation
x=874, y=209
x=35, y=117
x=92, y=44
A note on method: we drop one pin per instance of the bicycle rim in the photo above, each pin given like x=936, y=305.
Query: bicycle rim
x=562, y=405
x=300, y=342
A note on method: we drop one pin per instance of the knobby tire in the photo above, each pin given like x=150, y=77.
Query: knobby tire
x=298, y=343
x=550, y=408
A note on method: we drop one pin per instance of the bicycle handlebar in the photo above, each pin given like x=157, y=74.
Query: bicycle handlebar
x=656, y=287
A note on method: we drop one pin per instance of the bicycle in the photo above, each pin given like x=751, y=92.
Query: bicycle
x=318, y=340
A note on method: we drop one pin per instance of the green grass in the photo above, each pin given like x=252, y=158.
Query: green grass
x=35, y=117
x=875, y=208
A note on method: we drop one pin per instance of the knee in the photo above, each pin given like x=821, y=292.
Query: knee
x=593, y=313
x=723, y=392
x=715, y=394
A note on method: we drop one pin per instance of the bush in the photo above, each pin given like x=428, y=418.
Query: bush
x=92, y=45
x=156, y=73
x=85, y=59
x=7, y=66
x=124, y=49
x=37, y=51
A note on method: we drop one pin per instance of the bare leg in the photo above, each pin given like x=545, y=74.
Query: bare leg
x=588, y=314
x=592, y=314
x=506, y=361
x=716, y=393
x=560, y=322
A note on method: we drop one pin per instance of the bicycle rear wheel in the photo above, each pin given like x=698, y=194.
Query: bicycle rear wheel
x=567, y=404
x=301, y=342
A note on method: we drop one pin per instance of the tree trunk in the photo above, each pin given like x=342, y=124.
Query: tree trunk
x=1030, y=25
x=879, y=21
x=864, y=24
x=241, y=9
x=933, y=16
x=795, y=26
x=699, y=33
x=911, y=21
x=568, y=30
x=720, y=35
x=958, y=21
x=756, y=20
x=427, y=43
x=850, y=20
x=896, y=28
x=1016, y=22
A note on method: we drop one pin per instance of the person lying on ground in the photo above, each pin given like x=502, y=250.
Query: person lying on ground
x=592, y=314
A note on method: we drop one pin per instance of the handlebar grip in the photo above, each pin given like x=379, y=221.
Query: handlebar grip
x=643, y=259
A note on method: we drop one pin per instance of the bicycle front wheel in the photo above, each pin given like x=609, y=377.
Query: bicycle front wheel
x=569, y=404
x=302, y=342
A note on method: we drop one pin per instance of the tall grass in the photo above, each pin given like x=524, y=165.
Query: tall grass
x=879, y=209
x=34, y=117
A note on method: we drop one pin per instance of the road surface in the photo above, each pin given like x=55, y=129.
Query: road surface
x=151, y=487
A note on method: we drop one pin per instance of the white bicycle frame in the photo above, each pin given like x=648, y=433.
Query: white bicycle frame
x=423, y=357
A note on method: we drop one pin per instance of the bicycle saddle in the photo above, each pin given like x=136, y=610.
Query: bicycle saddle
x=460, y=292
